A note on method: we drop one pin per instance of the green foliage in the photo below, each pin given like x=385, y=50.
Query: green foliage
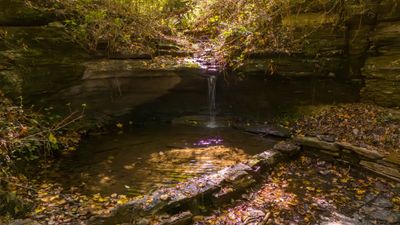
x=242, y=26
x=11, y=204
x=239, y=28
x=236, y=27
x=27, y=136
x=128, y=25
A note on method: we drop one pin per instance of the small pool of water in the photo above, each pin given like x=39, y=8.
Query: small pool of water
x=156, y=153
x=141, y=160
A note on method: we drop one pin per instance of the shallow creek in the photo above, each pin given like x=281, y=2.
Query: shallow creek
x=141, y=160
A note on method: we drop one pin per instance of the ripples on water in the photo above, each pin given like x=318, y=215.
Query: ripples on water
x=138, y=162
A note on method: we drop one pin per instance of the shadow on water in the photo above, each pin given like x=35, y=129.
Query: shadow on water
x=166, y=96
x=158, y=153
x=143, y=159
x=255, y=98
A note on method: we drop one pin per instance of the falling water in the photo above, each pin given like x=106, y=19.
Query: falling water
x=212, y=82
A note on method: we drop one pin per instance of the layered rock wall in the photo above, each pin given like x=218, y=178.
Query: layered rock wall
x=358, y=42
x=35, y=52
x=382, y=67
x=16, y=13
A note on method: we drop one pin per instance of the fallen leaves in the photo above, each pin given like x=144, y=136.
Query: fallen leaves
x=360, y=191
x=300, y=191
x=359, y=124
x=56, y=205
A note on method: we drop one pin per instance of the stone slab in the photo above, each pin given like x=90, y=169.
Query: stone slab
x=314, y=142
x=382, y=170
x=364, y=152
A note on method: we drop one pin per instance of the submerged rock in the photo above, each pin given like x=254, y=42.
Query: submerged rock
x=272, y=130
x=203, y=121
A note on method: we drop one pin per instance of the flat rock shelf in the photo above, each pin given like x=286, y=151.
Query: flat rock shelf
x=384, y=164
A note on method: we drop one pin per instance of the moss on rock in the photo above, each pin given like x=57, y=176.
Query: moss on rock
x=18, y=13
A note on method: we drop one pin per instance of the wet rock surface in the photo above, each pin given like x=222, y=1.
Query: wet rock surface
x=203, y=121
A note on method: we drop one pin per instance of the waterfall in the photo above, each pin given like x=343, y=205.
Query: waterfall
x=212, y=82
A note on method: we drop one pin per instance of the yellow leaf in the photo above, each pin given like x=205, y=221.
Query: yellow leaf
x=101, y=199
x=52, y=139
x=396, y=200
x=344, y=180
x=310, y=188
x=122, y=200
x=61, y=202
x=40, y=209
x=360, y=191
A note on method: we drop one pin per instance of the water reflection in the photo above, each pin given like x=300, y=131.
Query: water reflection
x=208, y=142
x=139, y=161
x=181, y=164
x=158, y=169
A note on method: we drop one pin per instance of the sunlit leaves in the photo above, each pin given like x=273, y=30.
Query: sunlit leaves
x=299, y=192
x=52, y=139
x=121, y=24
x=57, y=205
